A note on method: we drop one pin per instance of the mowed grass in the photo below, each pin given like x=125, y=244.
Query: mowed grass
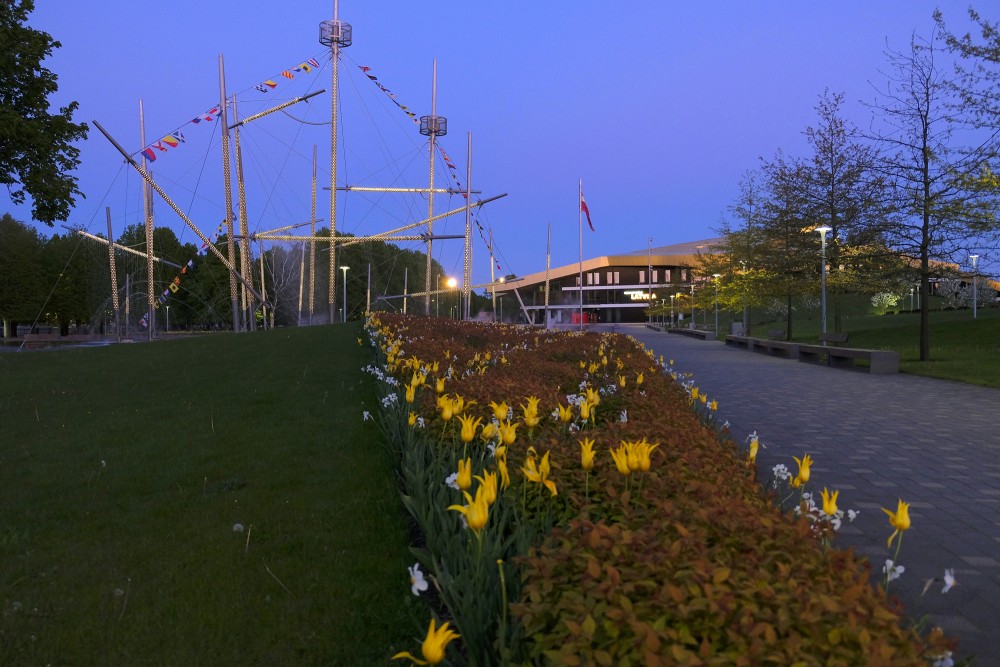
x=962, y=348
x=123, y=470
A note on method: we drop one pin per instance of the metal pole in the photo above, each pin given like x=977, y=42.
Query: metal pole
x=114, y=277
x=147, y=202
x=344, y=269
x=467, y=277
x=335, y=84
x=975, y=274
x=368, y=292
x=228, y=188
x=823, y=282
x=649, y=262
x=580, y=207
x=717, y=307
x=430, y=195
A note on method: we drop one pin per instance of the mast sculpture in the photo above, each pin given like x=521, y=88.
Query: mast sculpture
x=431, y=126
x=335, y=34
x=228, y=186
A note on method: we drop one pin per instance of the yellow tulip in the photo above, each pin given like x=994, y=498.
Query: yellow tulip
x=900, y=520
x=500, y=410
x=703, y=398
x=565, y=413
x=592, y=368
x=620, y=456
x=530, y=412
x=754, y=446
x=476, y=511
x=439, y=386
x=632, y=455
x=464, y=480
x=644, y=450
x=829, y=502
x=433, y=647
x=508, y=433
x=585, y=411
x=412, y=419
x=803, y=475
x=488, y=482
x=503, y=361
x=489, y=432
x=504, y=473
x=593, y=396
x=604, y=361
x=694, y=393
x=469, y=426
x=447, y=409
x=583, y=365
x=587, y=453
x=639, y=378
x=410, y=393
x=713, y=405
x=621, y=381
x=539, y=475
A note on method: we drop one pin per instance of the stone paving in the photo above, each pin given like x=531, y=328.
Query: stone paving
x=878, y=438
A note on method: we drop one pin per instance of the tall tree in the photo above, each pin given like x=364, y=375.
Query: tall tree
x=842, y=191
x=36, y=150
x=937, y=206
x=22, y=280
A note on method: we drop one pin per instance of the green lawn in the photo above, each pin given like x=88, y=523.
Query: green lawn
x=123, y=470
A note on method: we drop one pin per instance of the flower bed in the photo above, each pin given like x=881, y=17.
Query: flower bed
x=576, y=504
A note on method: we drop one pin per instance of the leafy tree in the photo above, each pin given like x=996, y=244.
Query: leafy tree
x=36, y=151
x=842, y=191
x=937, y=203
x=21, y=285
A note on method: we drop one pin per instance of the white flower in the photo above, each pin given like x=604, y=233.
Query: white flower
x=852, y=514
x=623, y=417
x=417, y=581
x=944, y=661
x=452, y=480
x=891, y=570
x=420, y=422
x=780, y=471
x=366, y=415
x=949, y=580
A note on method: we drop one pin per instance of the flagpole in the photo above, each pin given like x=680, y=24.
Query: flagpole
x=548, y=262
x=580, y=206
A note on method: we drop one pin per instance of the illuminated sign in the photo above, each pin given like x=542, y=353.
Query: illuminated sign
x=638, y=295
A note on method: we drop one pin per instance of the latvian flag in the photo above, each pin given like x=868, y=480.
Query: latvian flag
x=585, y=210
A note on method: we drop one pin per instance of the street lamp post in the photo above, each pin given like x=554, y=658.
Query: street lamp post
x=975, y=274
x=672, y=310
x=743, y=263
x=692, y=325
x=823, y=231
x=716, y=276
x=451, y=283
x=344, y=269
x=168, y=319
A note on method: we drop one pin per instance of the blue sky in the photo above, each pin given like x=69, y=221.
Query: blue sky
x=659, y=107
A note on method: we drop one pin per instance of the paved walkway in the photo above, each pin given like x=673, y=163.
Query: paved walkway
x=878, y=438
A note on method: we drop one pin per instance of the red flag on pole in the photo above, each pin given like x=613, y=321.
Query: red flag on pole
x=586, y=211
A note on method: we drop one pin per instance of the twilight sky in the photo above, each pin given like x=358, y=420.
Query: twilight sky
x=659, y=107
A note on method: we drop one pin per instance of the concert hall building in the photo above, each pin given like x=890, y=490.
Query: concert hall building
x=616, y=288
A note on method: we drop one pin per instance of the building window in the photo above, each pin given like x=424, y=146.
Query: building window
x=666, y=277
x=642, y=276
x=597, y=278
x=617, y=278
x=611, y=277
x=590, y=278
x=656, y=275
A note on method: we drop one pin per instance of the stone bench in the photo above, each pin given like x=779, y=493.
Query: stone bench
x=772, y=347
x=880, y=362
x=694, y=333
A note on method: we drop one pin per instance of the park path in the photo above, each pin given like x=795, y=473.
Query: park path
x=878, y=438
